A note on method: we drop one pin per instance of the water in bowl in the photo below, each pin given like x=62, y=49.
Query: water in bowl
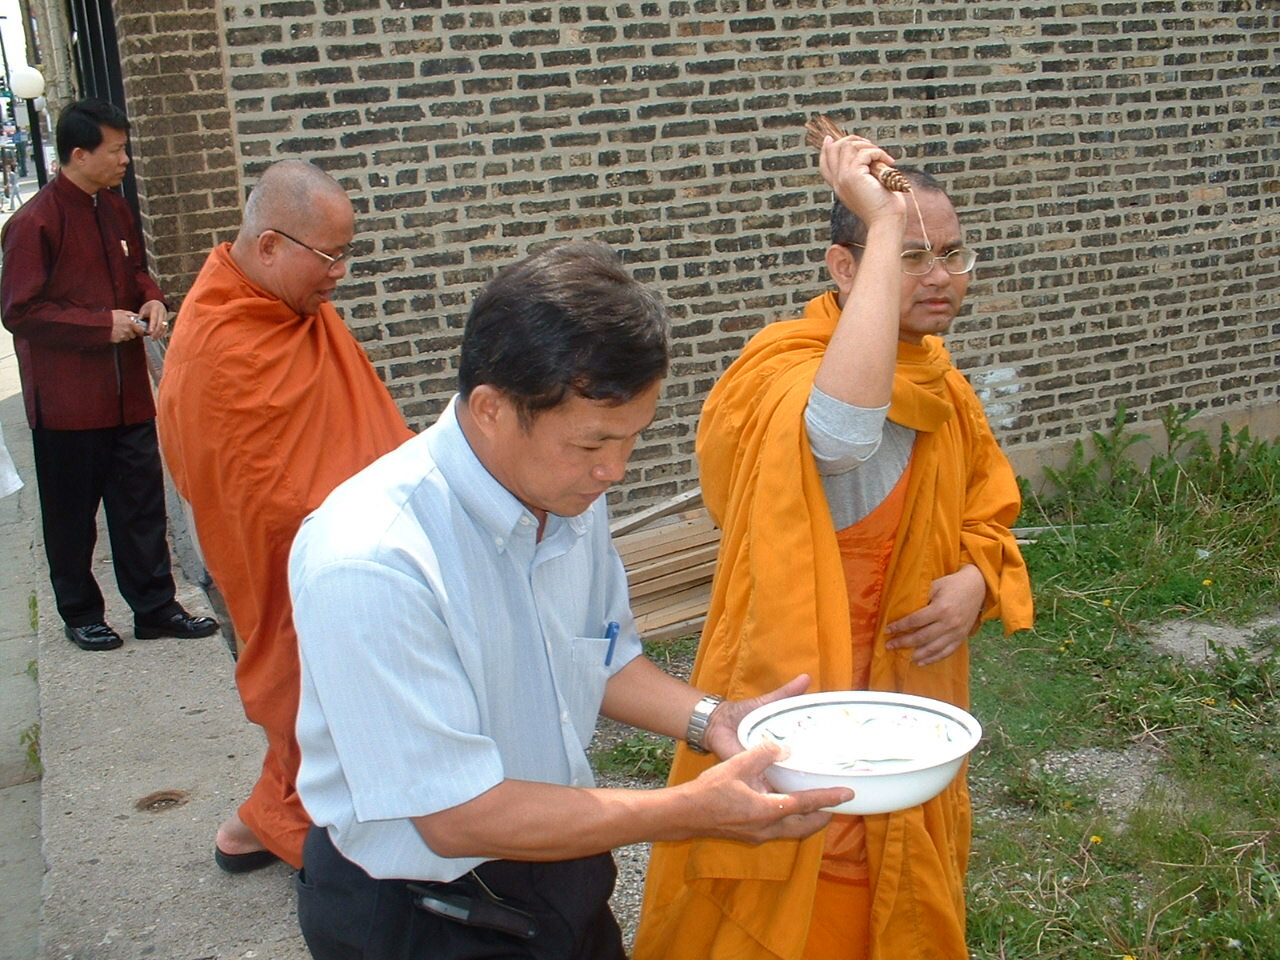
x=840, y=738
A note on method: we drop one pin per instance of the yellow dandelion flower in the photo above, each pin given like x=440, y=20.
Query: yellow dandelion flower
x=1095, y=840
x=1107, y=602
x=1206, y=582
x=1209, y=701
x=1128, y=956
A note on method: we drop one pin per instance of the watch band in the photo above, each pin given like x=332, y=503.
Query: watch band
x=698, y=722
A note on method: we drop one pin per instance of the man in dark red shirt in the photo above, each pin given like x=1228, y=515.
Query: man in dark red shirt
x=77, y=297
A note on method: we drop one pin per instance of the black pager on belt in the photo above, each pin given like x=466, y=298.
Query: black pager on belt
x=473, y=905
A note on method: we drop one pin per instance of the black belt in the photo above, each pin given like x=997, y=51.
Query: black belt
x=469, y=901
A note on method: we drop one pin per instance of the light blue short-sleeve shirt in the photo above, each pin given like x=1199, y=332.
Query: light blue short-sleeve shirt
x=444, y=647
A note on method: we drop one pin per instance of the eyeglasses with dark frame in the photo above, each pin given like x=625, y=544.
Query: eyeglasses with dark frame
x=329, y=257
x=917, y=263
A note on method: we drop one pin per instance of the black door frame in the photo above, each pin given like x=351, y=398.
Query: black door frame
x=96, y=53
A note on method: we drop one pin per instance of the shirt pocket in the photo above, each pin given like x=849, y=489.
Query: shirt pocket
x=581, y=675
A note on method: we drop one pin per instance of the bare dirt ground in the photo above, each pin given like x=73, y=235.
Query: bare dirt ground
x=1194, y=641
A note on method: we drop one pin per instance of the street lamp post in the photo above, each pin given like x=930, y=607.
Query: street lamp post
x=20, y=152
x=28, y=83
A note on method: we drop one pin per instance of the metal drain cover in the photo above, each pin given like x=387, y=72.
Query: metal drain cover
x=162, y=800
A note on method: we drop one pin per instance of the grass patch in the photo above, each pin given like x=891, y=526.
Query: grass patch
x=1186, y=862
x=641, y=754
x=638, y=754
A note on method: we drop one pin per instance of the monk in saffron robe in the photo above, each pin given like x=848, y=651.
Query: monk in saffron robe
x=863, y=550
x=266, y=404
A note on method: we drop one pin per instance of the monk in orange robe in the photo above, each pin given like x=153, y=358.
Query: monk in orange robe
x=266, y=404
x=862, y=551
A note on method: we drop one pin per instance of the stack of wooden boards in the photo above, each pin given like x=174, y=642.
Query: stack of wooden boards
x=669, y=552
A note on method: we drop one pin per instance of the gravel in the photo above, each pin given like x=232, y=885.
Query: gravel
x=633, y=860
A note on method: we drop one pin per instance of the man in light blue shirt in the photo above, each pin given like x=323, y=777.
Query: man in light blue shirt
x=463, y=618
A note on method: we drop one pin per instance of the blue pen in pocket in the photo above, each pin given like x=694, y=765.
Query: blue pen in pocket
x=611, y=634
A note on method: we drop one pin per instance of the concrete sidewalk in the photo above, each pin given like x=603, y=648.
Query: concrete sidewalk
x=145, y=750
x=21, y=866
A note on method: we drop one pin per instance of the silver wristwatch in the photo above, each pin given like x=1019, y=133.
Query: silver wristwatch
x=698, y=721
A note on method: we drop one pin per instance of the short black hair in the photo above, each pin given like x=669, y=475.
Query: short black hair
x=847, y=227
x=569, y=318
x=80, y=125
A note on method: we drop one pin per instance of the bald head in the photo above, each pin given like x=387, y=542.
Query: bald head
x=292, y=242
x=287, y=196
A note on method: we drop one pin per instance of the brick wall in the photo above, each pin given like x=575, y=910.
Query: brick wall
x=189, y=175
x=1116, y=164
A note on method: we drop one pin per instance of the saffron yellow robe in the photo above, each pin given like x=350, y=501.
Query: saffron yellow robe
x=780, y=607
x=261, y=413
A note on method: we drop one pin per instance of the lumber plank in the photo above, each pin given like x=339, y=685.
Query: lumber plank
x=669, y=552
x=675, y=581
x=642, y=518
x=672, y=540
x=674, y=630
x=697, y=594
x=645, y=573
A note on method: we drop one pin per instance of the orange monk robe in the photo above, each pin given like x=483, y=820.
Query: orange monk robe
x=780, y=607
x=261, y=414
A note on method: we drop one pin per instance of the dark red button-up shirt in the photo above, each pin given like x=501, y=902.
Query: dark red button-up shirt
x=70, y=258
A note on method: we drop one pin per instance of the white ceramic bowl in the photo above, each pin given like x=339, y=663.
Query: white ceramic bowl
x=893, y=749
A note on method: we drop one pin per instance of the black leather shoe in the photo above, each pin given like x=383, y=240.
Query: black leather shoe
x=93, y=636
x=181, y=625
x=244, y=862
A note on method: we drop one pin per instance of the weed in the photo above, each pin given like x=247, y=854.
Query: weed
x=30, y=740
x=1037, y=789
x=33, y=611
x=675, y=655
x=639, y=755
x=645, y=755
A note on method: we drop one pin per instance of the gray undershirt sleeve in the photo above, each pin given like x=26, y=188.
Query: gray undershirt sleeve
x=860, y=454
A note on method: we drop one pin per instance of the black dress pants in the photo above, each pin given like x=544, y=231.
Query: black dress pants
x=347, y=915
x=119, y=468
